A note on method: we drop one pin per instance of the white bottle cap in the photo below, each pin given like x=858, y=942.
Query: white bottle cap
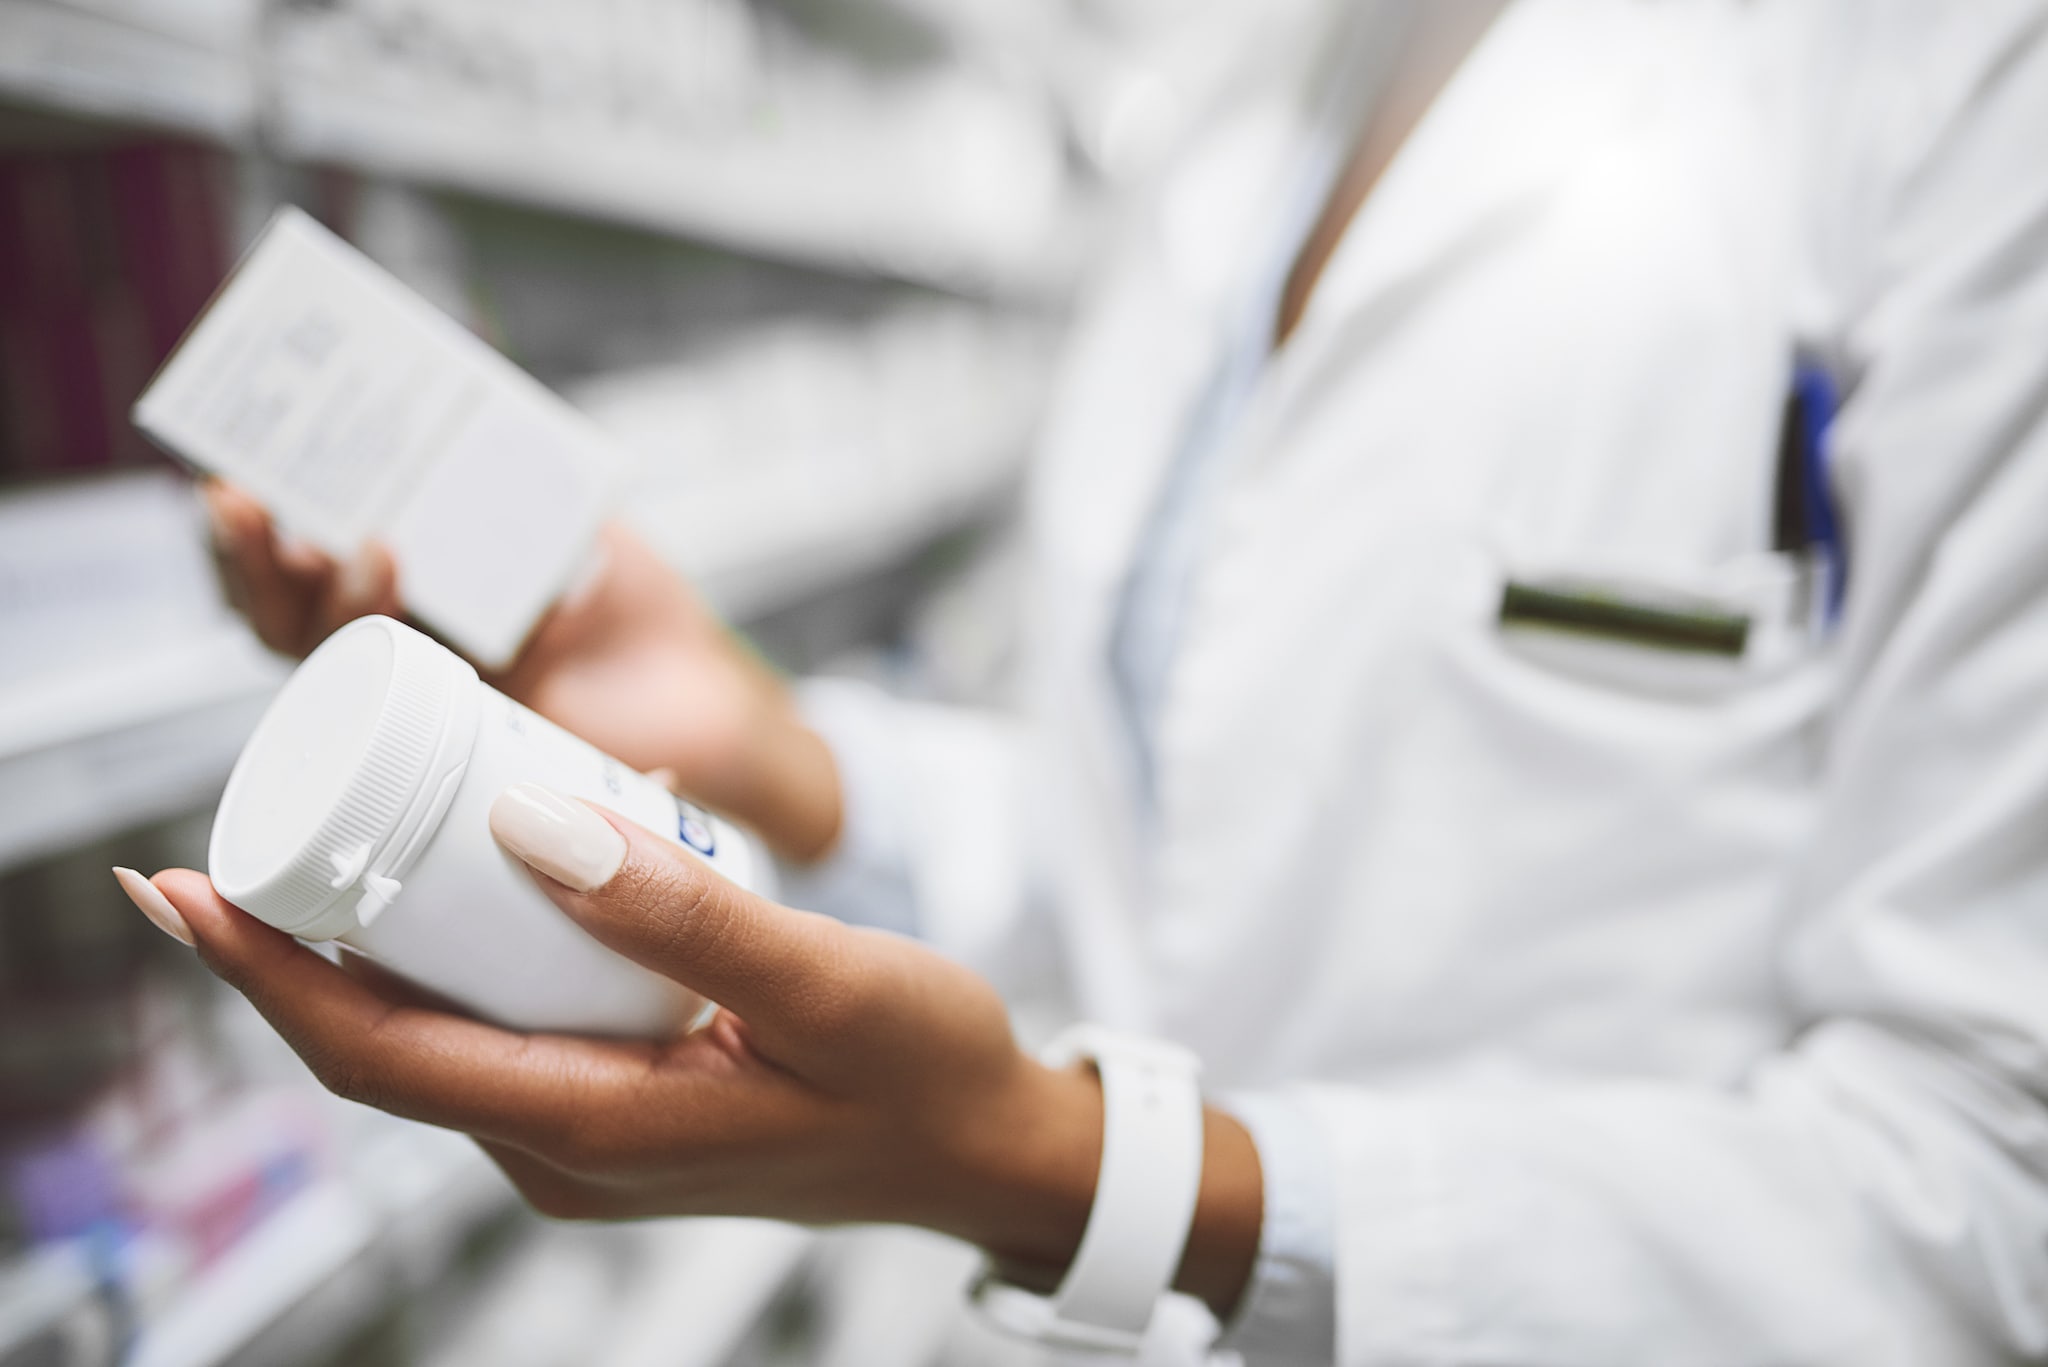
x=344, y=779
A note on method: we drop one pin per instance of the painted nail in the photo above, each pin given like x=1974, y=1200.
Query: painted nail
x=219, y=531
x=560, y=836
x=588, y=580
x=297, y=556
x=356, y=578
x=154, y=905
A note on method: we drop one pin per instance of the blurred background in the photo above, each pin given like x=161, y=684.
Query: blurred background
x=810, y=260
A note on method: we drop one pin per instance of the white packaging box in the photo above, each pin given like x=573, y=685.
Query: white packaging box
x=353, y=409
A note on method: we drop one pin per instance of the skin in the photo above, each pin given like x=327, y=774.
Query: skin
x=850, y=1075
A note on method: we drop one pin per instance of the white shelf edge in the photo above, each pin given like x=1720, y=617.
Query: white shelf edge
x=273, y=1267
x=39, y=1291
x=74, y=61
x=107, y=695
x=95, y=751
x=295, y=1250
x=784, y=199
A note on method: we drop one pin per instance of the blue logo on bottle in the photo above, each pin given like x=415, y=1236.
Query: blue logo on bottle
x=693, y=828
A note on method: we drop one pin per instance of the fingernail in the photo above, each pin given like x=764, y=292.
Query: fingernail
x=154, y=905
x=589, y=579
x=220, y=527
x=356, y=577
x=561, y=837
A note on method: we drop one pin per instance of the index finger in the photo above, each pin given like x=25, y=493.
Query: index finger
x=795, y=977
x=275, y=597
x=386, y=1052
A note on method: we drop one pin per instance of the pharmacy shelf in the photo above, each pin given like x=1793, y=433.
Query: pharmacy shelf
x=706, y=1283
x=277, y=1265
x=669, y=1293
x=126, y=685
x=418, y=1186
x=801, y=458
x=941, y=183
x=186, y=68
x=945, y=177
x=49, y=1310
x=417, y=1190
x=751, y=553
x=95, y=751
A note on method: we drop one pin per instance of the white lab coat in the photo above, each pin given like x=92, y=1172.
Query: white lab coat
x=1654, y=1009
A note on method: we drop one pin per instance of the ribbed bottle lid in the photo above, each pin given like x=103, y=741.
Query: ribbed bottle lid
x=329, y=780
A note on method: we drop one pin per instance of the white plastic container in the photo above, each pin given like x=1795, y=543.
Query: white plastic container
x=359, y=812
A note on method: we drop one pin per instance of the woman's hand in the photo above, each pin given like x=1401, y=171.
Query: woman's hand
x=635, y=664
x=850, y=1075
x=293, y=595
x=631, y=661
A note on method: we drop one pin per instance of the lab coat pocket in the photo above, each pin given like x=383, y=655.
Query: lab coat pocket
x=1655, y=631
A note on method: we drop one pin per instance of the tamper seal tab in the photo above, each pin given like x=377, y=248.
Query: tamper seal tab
x=325, y=801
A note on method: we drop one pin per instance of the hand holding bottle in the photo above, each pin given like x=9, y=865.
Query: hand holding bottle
x=851, y=1075
x=631, y=660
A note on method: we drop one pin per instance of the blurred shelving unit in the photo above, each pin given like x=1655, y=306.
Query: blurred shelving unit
x=687, y=116
x=186, y=67
x=49, y=1312
x=859, y=440
x=685, y=1293
x=783, y=452
x=409, y=1190
x=769, y=470
x=697, y=117
x=330, y=1252
x=156, y=744
x=126, y=688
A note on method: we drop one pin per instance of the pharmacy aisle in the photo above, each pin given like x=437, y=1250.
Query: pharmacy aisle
x=803, y=267
x=174, y=1190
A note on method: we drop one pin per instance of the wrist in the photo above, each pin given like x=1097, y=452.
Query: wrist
x=1034, y=1191
x=1028, y=1176
x=1038, y=1189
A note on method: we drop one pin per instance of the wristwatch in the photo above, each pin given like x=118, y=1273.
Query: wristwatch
x=1144, y=1202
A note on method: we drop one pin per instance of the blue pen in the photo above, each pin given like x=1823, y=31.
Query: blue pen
x=1807, y=519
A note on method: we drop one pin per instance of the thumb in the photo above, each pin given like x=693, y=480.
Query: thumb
x=787, y=974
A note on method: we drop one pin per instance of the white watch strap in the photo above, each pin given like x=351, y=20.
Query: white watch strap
x=1144, y=1202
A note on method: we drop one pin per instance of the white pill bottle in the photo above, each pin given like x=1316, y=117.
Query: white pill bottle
x=359, y=812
